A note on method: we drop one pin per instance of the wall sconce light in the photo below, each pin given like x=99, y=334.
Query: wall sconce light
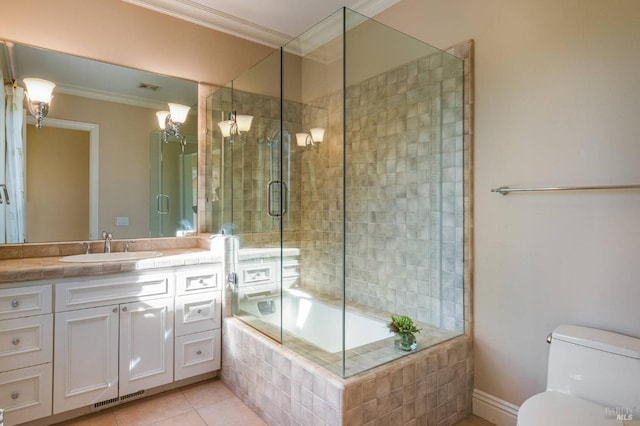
x=171, y=122
x=39, y=97
x=312, y=139
x=235, y=125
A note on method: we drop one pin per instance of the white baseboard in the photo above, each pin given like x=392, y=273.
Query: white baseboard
x=493, y=409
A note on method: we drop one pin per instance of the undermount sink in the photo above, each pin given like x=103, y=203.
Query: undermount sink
x=111, y=257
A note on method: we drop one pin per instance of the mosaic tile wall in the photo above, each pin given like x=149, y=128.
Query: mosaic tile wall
x=404, y=196
x=404, y=187
x=433, y=386
x=254, y=161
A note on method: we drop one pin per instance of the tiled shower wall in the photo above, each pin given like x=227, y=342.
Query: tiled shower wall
x=251, y=161
x=404, y=184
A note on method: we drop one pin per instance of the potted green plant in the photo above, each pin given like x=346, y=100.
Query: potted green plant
x=404, y=328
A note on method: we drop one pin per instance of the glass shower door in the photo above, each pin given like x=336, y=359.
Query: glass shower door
x=173, y=186
x=255, y=190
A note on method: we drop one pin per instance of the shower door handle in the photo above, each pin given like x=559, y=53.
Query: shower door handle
x=283, y=199
x=6, y=194
x=159, y=205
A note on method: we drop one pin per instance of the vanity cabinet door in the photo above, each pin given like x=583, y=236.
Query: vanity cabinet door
x=85, y=357
x=146, y=345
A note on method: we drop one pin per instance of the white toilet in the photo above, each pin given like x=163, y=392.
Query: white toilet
x=593, y=378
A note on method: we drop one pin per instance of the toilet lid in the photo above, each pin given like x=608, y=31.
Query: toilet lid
x=555, y=408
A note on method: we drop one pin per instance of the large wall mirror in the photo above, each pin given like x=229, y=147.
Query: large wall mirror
x=100, y=160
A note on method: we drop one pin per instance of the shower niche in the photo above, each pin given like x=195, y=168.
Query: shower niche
x=346, y=193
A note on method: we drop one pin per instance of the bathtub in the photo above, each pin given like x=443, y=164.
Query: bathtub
x=316, y=321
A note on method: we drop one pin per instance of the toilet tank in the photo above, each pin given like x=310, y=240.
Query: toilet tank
x=596, y=365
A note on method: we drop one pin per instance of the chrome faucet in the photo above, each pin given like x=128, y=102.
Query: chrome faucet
x=108, y=236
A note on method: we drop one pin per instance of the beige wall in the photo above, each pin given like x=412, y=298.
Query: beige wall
x=124, y=34
x=557, y=89
x=124, y=137
x=57, y=184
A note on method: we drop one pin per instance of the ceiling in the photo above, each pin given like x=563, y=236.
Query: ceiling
x=269, y=22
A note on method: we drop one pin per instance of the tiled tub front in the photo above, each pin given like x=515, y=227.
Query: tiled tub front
x=430, y=387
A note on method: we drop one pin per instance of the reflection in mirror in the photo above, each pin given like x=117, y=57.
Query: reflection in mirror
x=100, y=161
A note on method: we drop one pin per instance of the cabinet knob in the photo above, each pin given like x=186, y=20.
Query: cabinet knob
x=15, y=341
x=201, y=282
x=15, y=395
x=124, y=309
x=114, y=310
x=199, y=311
x=199, y=353
x=15, y=303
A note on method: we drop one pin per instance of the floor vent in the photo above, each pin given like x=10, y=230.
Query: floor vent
x=131, y=395
x=103, y=403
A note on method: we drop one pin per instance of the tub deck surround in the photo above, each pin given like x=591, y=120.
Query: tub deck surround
x=432, y=386
x=360, y=358
x=30, y=262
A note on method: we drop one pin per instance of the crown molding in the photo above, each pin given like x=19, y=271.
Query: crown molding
x=199, y=14
x=102, y=95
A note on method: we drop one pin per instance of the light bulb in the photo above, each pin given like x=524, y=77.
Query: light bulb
x=301, y=139
x=317, y=134
x=178, y=112
x=244, y=122
x=39, y=90
x=162, y=118
x=225, y=127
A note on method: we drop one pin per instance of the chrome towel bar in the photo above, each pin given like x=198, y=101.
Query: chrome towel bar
x=504, y=190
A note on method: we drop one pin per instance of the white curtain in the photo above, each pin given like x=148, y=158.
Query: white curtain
x=3, y=147
x=12, y=149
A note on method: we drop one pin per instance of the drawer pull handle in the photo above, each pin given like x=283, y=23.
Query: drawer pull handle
x=124, y=309
x=199, y=353
x=15, y=341
x=15, y=303
x=199, y=311
x=15, y=395
x=202, y=282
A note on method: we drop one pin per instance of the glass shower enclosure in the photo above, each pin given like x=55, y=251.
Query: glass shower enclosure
x=172, y=186
x=345, y=193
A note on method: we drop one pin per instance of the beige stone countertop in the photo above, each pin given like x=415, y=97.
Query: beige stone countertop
x=51, y=267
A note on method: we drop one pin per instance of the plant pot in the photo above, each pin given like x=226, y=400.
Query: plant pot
x=405, y=342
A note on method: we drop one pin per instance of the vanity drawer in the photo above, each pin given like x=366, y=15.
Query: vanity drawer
x=257, y=273
x=198, y=312
x=195, y=280
x=197, y=353
x=94, y=292
x=26, y=341
x=25, y=301
x=25, y=394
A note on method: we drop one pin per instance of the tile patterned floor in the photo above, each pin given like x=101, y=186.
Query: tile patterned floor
x=201, y=404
